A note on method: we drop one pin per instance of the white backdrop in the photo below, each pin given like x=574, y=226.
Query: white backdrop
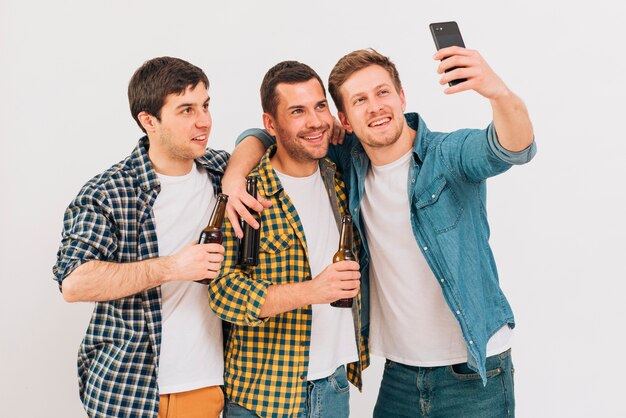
x=557, y=224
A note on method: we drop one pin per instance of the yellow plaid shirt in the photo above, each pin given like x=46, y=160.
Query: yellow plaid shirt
x=266, y=359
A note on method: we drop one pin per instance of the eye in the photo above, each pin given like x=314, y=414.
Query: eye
x=322, y=106
x=358, y=100
x=205, y=106
x=383, y=92
x=187, y=110
x=296, y=112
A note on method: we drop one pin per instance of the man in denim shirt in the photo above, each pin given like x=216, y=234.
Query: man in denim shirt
x=437, y=311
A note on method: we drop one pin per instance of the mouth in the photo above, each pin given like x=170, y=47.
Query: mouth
x=200, y=138
x=384, y=121
x=314, y=136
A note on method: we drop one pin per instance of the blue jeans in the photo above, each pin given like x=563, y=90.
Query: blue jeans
x=327, y=397
x=447, y=392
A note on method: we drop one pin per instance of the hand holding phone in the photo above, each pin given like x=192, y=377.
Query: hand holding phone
x=447, y=34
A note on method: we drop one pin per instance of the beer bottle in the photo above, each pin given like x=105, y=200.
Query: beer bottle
x=212, y=234
x=346, y=242
x=249, y=244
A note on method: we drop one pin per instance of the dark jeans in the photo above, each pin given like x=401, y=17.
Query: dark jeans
x=447, y=392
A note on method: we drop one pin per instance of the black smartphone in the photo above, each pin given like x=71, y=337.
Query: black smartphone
x=447, y=34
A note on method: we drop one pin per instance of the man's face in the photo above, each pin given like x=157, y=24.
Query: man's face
x=303, y=123
x=183, y=132
x=373, y=108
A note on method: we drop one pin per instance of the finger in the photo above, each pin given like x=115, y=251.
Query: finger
x=342, y=136
x=234, y=221
x=346, y=266
x=215, y=258
x=249, y=219
x=214, y=267
x=266, y=203
x=444, y=53
x=250, y=202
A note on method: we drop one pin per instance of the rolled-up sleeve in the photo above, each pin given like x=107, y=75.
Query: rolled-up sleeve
x=87, y=235
x=511, y=157
x=261, y=134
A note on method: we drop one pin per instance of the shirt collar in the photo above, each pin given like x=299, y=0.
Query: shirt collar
x=271, y=181
x=148, y=178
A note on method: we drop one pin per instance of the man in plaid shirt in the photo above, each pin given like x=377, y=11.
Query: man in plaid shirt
x=287, y=348
x=153, y=346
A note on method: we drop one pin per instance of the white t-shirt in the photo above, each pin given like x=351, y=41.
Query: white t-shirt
x=333, y=341
x=411, y=322
x=191, y=340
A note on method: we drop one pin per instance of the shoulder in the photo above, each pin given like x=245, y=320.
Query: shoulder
x=214, y=160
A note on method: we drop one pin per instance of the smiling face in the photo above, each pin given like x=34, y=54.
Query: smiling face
x=181, y=133
x=373, y=107
x=302, y=126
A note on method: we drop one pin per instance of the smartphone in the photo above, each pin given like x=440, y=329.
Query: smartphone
x=447, y=34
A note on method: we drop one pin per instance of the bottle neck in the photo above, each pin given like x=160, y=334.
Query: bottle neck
x=345, y=241
x=217, y=217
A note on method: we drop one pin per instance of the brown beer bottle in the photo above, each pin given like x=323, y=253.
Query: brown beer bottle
x=346, y=242
x=249, y=244
x=212, y=234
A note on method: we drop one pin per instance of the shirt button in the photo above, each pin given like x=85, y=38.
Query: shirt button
x=302, y=343
x=441, y=280
x=412, y=180
x=458, y=312
x=434, y=196
x=302, y=377
x=425, y=248
x=471, y=342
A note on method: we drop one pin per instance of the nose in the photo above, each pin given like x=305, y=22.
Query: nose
x=314, y=120
x=374, y=105
x=204, y=119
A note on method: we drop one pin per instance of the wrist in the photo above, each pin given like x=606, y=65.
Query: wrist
x=161, y=270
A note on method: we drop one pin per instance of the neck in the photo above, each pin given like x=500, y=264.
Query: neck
x=390, y=153
x=284, y=163
x=169, y=166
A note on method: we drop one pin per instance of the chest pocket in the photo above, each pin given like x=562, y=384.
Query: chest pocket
x=276, y=259
x=439, y=205
x=275, y=243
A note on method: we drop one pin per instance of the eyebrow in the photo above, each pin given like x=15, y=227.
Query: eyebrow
x=299, y=106
x=375, y=88
x=192, y=104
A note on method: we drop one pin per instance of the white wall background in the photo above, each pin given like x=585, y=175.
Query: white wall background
x=557, y=224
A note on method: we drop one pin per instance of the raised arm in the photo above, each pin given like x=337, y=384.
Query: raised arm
x=510, y=116
x=244, y=158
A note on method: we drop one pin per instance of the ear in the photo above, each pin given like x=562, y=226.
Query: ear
x=147, y=121
x=403, y=99
x=345, y=122
x=269, y=124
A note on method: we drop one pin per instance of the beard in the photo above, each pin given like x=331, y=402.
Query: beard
x=297, y=148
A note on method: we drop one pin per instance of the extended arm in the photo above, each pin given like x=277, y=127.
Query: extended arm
x=510, y=116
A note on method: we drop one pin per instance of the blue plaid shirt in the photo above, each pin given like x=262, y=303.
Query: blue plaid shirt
x=111, y=220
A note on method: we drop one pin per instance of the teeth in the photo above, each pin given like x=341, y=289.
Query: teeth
x=313, y=137
x=200, y=138
x=380, y=122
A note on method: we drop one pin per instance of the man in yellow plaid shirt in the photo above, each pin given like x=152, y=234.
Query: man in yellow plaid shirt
x=287, y=348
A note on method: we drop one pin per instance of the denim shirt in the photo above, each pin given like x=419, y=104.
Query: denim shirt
x=447, y=191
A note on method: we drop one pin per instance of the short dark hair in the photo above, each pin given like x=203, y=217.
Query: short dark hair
x=356, y=61
x=289, y=72
x=156, y=79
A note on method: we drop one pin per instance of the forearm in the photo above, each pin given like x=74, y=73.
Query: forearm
x=244, y=157
x=511, y=121
x=285, y=297
x=98, y=281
